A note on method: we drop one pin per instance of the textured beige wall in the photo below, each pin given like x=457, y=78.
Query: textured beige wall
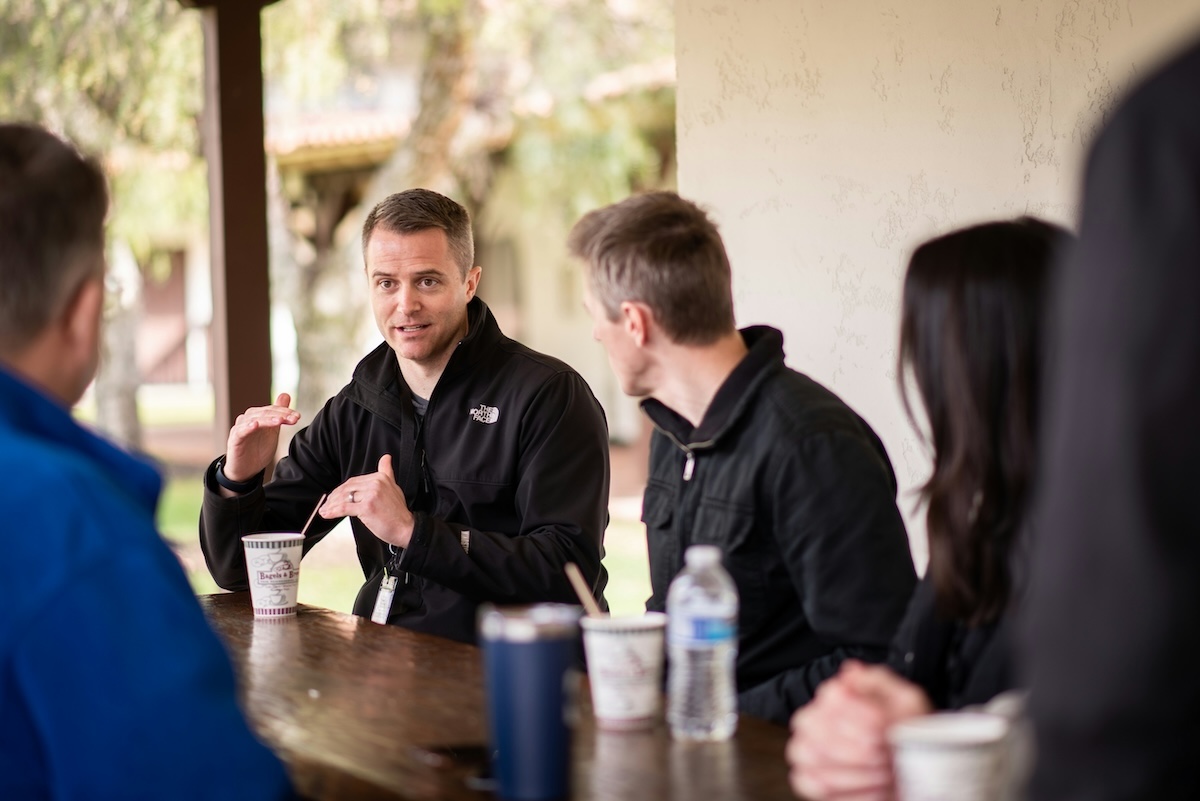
x=829, y=138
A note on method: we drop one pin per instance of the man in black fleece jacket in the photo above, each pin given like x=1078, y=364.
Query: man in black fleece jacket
x=794, y=487
x=472, y=468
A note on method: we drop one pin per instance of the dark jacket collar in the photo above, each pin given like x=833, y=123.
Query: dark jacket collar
x=483, y=332
x=378, y=374
x=29, y=412
x=765, y=356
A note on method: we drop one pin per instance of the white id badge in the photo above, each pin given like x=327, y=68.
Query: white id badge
x=383, y=601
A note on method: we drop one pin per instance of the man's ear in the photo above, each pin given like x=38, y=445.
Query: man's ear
x=72, y=343
x=80, y=319
x=637, y=319
x=473, y=276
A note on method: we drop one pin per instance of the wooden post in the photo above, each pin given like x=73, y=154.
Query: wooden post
x=237, y=185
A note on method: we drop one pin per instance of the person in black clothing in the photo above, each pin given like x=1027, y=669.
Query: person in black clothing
x=771, y=467
x=1114, y=604
x=971, y=338
x=472, y=468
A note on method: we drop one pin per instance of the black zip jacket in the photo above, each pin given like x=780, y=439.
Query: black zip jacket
x=507, y=476
x=797, y=491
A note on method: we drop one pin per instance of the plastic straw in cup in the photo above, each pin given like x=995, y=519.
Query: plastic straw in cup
x=320, y=503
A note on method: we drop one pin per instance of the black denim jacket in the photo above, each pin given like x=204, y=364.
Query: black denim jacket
x=799, y=494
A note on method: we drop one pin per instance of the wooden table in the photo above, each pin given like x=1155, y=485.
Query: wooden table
x=359, y=711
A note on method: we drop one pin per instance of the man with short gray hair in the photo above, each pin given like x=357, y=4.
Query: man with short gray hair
x=112, y=685
x=774, y=469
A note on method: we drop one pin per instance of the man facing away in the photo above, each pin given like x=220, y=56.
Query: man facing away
x=472, y=468
x=112, y=685
x=774, y=469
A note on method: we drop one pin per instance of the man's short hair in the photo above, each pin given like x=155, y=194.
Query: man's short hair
x=416, y=210
x=663, y=251
x=53, y=202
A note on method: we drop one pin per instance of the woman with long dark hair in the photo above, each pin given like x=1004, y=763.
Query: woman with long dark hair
x=971, y=340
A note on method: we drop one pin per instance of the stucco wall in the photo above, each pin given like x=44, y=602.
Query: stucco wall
x=828, y=138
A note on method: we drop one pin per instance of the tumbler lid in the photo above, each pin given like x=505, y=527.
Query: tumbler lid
x=529, y=623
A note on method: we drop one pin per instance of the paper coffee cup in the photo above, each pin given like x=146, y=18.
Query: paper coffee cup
x=950, y=756
x=273, y=568
x=625, y=664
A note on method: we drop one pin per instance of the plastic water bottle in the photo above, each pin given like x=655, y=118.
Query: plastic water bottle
x=702, y=608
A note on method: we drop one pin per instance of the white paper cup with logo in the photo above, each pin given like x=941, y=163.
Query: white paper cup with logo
x=950, y=756
x=273, y=568
x=625, y=666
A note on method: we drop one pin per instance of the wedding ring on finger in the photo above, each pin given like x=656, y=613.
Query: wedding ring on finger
x=351, y=497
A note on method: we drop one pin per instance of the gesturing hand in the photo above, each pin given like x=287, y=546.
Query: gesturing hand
x=377, y=500
x=254, y=438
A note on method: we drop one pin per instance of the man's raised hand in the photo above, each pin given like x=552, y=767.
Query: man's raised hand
x=254, y=438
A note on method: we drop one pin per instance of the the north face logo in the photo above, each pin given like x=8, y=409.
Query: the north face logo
x=485, y=414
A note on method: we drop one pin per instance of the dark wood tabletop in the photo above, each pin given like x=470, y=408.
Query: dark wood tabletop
x=363, y=711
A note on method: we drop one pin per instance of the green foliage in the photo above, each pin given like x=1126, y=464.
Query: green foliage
x=158, y=201
x=430, y=9
x=628, y=567
x=179, y=509
x=120, y=79
x=121, y=73
x=582, y=158
x=576, y=150
x=562, y=45
x=533, y=62
x=313, y=48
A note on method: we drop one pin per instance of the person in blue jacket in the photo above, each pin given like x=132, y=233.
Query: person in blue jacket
x=112, y=685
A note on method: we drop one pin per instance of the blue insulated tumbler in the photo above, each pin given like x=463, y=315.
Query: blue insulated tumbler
x=529, y=658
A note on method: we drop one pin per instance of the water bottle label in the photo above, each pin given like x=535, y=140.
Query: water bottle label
x=701, y=630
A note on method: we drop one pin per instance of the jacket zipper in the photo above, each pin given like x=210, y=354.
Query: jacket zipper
x=684, y=521
x=422, y=484
x=417, y=460
x=689, y=463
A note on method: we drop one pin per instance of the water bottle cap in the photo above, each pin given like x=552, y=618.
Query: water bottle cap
x=702, y=555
